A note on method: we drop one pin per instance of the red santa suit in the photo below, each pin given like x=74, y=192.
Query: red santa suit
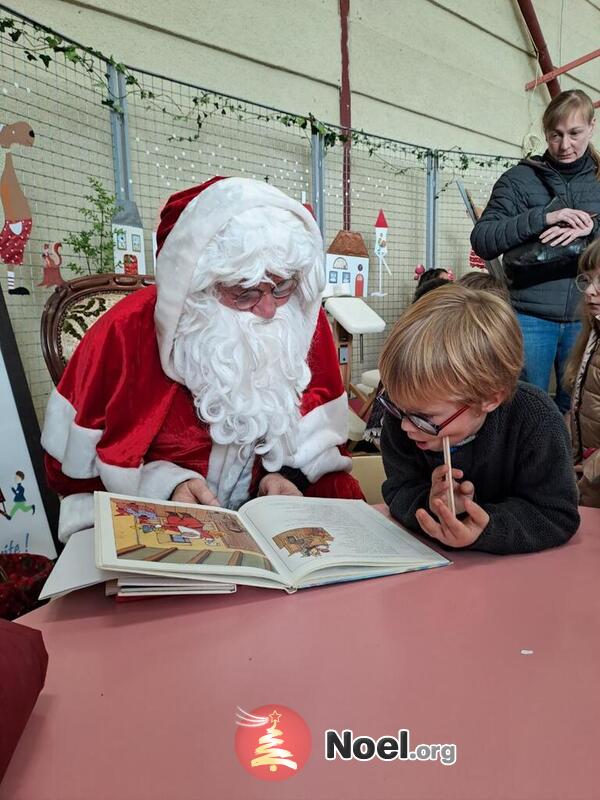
x=121, y=421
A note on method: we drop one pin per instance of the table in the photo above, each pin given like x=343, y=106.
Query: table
x=141, y=697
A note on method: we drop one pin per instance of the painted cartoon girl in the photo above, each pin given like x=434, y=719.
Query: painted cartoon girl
x=17, y=213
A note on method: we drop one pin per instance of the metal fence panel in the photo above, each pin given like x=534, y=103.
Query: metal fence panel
x=168, y=156
x=72, y=141
x=392, y=178
x=170, y=151
x=479, y=174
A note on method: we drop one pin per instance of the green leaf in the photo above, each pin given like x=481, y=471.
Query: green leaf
x=72, y=55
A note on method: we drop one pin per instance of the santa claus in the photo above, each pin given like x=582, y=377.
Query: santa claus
x=220, y=382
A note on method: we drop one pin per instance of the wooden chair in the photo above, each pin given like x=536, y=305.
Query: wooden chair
x=74, y=307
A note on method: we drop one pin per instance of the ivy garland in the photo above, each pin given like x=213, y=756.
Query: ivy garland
x=41, y=44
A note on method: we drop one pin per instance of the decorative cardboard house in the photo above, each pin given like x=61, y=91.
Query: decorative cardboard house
x=347, y=266
x=128, y=235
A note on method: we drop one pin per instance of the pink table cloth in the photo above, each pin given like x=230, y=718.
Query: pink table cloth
x=497, y=655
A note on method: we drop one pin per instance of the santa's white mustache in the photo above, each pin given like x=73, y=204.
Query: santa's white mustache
x=246, y=373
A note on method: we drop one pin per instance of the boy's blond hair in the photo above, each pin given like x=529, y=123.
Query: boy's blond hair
x=454, y=344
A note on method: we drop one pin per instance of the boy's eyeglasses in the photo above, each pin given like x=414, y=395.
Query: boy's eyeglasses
x=247, y=299
x=584, y=280
x=422, y=423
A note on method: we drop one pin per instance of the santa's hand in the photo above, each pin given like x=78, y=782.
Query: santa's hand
x=194, y=490
x=449, y=529
x=274, y=483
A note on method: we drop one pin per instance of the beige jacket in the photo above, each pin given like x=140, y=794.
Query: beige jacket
x=585, y=420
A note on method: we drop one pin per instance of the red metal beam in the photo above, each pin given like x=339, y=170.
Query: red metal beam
x=533, y=25
x=345, y=110
x=559, y=70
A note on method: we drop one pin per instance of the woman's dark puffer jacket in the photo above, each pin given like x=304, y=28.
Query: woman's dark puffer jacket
x=516, y=213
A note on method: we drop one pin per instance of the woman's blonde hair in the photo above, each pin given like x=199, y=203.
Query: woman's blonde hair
x=455, y=344
x=560, y=107
x=589, y=260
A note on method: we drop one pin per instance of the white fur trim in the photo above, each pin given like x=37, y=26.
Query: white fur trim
x=75, y=448
x=156, y=480
x=228, y=478
x=319, y=434
x=329, y=461
x=159, y=479
x=70, y=444
x=198, y=223
x=76, y=514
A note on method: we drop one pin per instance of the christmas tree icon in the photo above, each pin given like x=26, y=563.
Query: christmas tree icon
x=269, y=753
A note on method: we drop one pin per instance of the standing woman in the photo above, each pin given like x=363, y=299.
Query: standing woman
x=554, y=198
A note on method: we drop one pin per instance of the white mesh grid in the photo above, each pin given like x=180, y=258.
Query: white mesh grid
x=478, y=174
x=393, y=178
x=72, y=141
x=250, y=142
x=63, y=104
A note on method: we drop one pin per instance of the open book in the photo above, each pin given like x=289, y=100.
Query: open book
x=274, y=541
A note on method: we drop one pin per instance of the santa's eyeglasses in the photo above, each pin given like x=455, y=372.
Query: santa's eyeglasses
x=248, y=298
x=420, y=422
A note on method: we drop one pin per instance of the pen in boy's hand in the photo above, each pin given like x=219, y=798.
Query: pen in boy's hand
x=449, y=478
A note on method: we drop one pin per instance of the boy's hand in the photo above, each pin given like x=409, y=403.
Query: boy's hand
x=452, y=531
x=439, y=489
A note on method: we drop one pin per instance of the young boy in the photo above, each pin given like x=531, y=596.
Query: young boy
x=450, y=368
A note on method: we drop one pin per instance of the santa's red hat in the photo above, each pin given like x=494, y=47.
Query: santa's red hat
x=172, y=209
x=189, y=221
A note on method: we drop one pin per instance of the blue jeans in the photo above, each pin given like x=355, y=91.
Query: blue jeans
x=547, y=347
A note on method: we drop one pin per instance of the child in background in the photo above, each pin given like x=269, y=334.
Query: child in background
x=485, y=282
x=582, y=375
x=450, y=368
x=427, y=286
x=428, y=279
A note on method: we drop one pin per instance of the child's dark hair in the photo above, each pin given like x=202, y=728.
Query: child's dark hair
x=20, y=474
x=427, y=286
x=431, y=274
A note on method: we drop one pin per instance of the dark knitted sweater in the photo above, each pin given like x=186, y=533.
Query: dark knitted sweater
x=520, y=465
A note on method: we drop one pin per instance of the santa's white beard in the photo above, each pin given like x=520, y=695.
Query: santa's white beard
x=246, y=374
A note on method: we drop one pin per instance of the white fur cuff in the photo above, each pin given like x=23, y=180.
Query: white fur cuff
x=76, y=514
x=156, y=480
x=70, y=444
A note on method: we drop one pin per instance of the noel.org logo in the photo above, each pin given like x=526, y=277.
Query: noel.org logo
x=272, y=742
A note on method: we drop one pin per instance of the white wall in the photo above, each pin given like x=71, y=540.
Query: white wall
x=442, y=73
x=439, y=73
